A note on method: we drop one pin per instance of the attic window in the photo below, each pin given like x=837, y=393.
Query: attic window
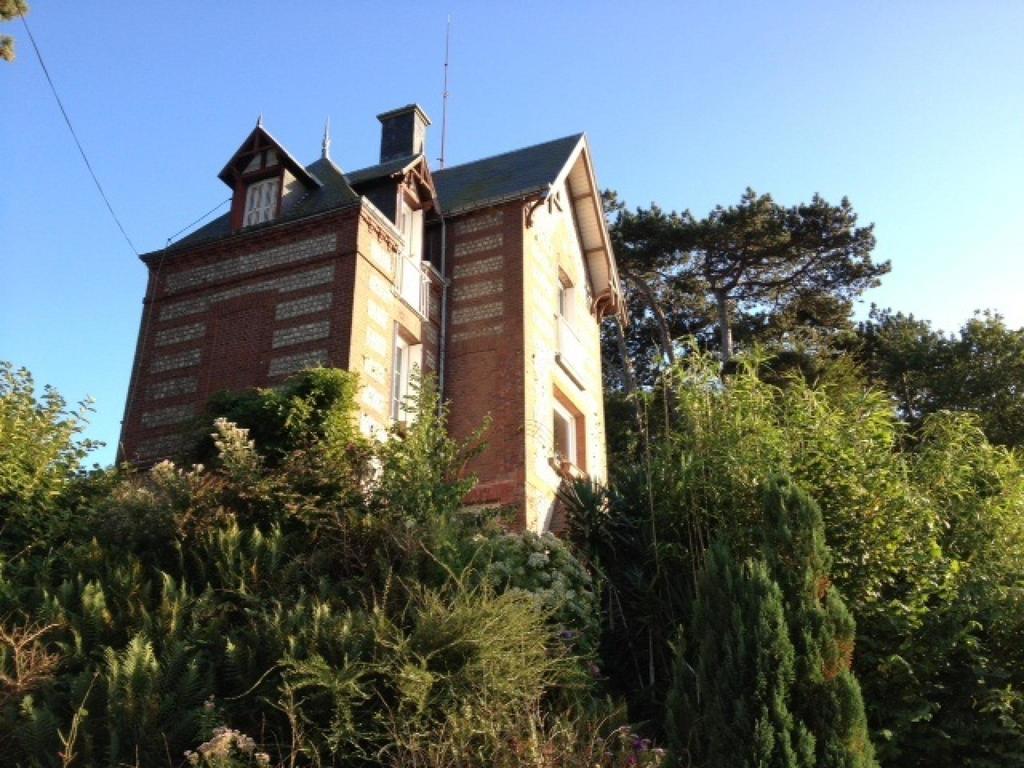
x=261, y=201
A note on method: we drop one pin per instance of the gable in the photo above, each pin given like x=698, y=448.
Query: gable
x=261, y=153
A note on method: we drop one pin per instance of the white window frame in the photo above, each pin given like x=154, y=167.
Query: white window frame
x=261, y=200
x=406, y=359
x=566, y=298
x=410, y=224
x=399, y=376
x=569, y=419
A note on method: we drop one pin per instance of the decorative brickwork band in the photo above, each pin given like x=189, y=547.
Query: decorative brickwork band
x=479, y=267
x=466, y=291
x=165, y=445
x=283, y=284
x=279, y=366
x=475, y=246
x=180, y=334
x=478, y=312
x=306, y=306
x=174, y=415
x=171, y=388
x=298, y=334
x=480, y=221
x=185, y=359
x=301, y=250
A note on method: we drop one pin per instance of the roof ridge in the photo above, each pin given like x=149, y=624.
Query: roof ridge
x=330, y=162
x=576, y=136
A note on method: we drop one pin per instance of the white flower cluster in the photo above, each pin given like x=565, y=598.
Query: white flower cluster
x=224, y=744
x=543, y=567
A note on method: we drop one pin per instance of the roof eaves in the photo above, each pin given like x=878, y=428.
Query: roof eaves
x=182, y=247
x=370, y=172
x=521, y=194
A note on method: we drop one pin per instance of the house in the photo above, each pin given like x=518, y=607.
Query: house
x=493, y=276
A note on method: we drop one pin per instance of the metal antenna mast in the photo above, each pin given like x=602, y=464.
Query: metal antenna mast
x=444, y=94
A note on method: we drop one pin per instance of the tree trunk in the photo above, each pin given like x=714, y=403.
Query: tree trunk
x=663, y=333
x=628, y=379
x=724, y=329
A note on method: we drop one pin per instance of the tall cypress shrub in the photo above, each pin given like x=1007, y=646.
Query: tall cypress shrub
x=729, y=705
x=826, y=696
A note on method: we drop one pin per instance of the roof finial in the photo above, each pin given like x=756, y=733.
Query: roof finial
x=259, y=121
x=326, y=146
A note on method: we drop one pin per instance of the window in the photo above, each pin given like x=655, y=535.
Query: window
x=410, y=223
x=405, y=362
x=261, y=201
x=565, y=426
x=566, y=297
x=570, y=352
x=399, y=378
x=413, y=284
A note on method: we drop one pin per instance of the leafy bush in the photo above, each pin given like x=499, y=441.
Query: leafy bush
x=325, y=594
x=913, y=528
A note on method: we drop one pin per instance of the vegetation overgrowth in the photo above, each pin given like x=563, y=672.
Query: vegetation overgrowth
x=320, y=600
x=780, y=569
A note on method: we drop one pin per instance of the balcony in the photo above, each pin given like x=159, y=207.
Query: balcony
x=570, y=353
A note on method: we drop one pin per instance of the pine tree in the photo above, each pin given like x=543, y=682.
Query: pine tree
x=826, y=695
x=731, y=707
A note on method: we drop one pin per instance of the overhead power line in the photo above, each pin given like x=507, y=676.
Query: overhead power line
x=205, y=215
x=74, y=135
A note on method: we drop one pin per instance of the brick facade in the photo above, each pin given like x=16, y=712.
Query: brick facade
x=236, y=307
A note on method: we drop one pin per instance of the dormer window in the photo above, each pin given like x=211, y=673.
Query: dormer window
x=261, y=201
x=265, y=180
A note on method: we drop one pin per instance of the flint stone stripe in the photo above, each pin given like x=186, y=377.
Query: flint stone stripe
x=475, y=246
x=174, y=415
x=306, y=306
x=180, y=334
x=251, y=262
x=165, y=445
x=283, y=284
x=476, y=290
x=291, y=363
x=172, y=387
x=298, y=334
x=493, y=264
x=479, y=312
x=479, y=222
x=476, y=333
x=179, y=360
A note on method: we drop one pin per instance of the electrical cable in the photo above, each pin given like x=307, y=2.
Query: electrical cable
x=74, y=135
x=205, y=215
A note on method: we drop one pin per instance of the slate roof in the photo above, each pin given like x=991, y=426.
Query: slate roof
x=381, y=170
x=502, y=177
x=459, y=188
x=335, y=193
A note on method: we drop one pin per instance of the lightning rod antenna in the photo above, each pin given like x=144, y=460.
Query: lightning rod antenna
x=444, y=93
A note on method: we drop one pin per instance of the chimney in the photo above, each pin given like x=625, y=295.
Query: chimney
x=403, y=132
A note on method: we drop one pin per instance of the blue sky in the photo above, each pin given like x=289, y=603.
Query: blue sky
x=914, y=110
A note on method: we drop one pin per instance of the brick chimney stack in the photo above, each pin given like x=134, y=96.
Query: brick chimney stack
x=403, y=132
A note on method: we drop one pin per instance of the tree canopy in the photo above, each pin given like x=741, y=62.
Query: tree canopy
x=756, y=267
x=10, y=9
x=979, y=370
